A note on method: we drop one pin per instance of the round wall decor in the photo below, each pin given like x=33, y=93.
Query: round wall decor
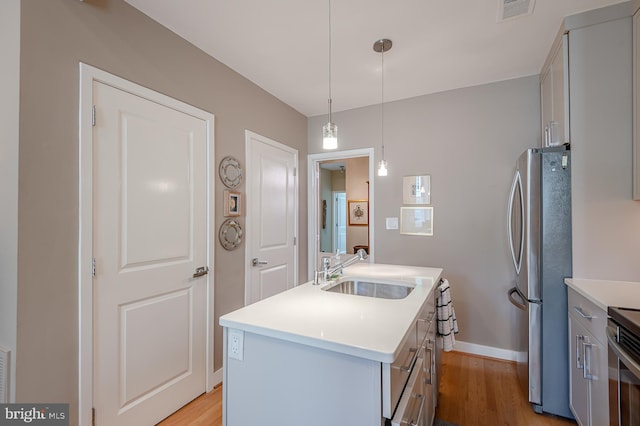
x=230, y=234
x=230, y=172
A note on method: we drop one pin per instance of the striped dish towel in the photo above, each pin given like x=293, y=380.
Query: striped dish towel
x=446, y=316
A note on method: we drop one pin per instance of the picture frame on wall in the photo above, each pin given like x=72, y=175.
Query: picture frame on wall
x=232, y=201
x=416, y=189
x=416, y=221
x=358, y=212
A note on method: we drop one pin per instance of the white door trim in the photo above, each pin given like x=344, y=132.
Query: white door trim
x=88, y=75
x=313, y=165
x=248, y=135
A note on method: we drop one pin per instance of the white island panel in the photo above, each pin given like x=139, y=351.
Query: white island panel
x=285, y=383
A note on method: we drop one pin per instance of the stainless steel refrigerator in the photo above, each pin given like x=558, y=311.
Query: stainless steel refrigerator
x=540, y=243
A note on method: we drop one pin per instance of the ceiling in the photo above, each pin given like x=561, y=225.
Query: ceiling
x=283, y=45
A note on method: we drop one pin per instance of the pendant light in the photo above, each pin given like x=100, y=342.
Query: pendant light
x=330, y=130
x=381, y=46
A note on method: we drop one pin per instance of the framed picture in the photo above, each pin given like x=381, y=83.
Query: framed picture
x=416, y=220
x=358, y=212
x=416, y=189
x=232, y=203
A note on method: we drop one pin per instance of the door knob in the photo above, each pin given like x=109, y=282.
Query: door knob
x=200, y=271
x=255, y=262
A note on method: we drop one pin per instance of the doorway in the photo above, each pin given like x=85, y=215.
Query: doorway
x=350, y=173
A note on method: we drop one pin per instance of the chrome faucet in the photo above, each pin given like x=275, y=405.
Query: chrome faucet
x=328, y=270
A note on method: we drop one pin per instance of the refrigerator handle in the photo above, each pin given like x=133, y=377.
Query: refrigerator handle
x=514, y=186
x=520, y=304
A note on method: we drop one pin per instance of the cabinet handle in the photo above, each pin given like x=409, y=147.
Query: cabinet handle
x=579, y=310
x=407, y=367
x=430, y=366
x=418, y=418
x=579, y=366
x=553, y=130
x=428, y=318
x=546, y=135
x=586, y=372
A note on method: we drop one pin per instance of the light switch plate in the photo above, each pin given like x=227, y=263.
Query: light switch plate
x=392, y=223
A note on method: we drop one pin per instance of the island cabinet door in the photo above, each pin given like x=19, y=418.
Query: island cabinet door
x=292, y=384
x=579, y=386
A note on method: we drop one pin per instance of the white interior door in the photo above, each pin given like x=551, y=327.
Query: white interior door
x=149, y=236
x=340, y=221
x=272, y=207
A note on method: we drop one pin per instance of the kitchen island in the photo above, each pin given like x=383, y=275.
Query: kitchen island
x=315, y=357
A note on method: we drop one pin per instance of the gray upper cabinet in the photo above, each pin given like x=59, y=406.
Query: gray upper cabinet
x=554, y=95
x=636, y=105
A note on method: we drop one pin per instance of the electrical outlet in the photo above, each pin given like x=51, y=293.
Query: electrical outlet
x=236, y=344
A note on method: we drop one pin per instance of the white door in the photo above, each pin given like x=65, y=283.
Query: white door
x=271, y=217
x=340, y=219
x=149, y=236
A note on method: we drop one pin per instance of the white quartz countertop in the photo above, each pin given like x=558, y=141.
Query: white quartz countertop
x=365, y=327
x=604, y=293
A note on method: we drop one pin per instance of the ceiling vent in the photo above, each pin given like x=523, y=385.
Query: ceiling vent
x=509, y=9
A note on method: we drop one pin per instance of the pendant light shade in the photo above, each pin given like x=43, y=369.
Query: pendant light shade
x=382, y=168
x=330, y=130
x=330, y=135
x=382, y=46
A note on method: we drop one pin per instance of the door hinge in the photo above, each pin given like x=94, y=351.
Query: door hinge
x=93, y=115
x=93, y=416
x=295, y=241
x=295, y=172
x=93, y=267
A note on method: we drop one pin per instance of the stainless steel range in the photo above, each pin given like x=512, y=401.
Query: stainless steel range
x=623, y=333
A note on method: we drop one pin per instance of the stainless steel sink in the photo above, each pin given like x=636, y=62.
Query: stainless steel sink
x=370, y=289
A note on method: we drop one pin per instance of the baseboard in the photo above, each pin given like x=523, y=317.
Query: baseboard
x=217, y=377
x=489, y=351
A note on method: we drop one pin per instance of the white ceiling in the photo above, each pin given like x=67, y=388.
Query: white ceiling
x=438, y=45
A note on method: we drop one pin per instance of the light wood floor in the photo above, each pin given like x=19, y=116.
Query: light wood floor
x=474, y=391
x=485, y=391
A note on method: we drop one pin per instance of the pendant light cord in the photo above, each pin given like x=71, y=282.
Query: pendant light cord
x=329, y=62
x=382, y=104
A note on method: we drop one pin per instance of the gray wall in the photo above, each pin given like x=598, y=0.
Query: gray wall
x=606, y=221
x=9, y=109
x=468, y=141
x=111, y=35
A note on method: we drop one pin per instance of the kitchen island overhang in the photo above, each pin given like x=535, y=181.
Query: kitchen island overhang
x=354, y=325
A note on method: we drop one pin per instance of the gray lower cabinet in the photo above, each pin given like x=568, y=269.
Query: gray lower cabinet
x=588, y=386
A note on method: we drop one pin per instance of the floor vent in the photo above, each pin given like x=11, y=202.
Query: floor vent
x=5, y=369
x=509, y=9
